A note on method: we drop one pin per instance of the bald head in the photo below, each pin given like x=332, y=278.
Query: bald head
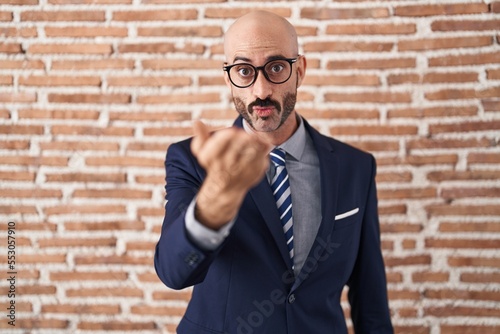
x=260, y=33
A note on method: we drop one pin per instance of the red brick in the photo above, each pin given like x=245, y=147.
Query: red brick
x=83, y=209
x=42, y=323
x=403, y=294
x=141, y=245
x=81, y=309
x=371, y=29
x=155, y=15
x=162, y=147
x=462, y=243
x=483, y=158
x=22, y=129
x=89, y=98
x=495, y=7
x=172, y=295
x=367, y=97
x=105, y=292
x=157, y=310
x=480, y=278
x=113, y=259
x=112, y=193
x=155, y=81
x=462, y=294
x=235, y=12
x=445, y=9
x=342, y=46
x=455, y=193
x=409, y=193
x=374, y=130
x=83, y=48
x=79, y=146
x=451, y=94
x=462, y=210
x=179, y=98
x=466, y=175
x=51, y=80
x=391, y=177
x=124, y=161
x=32, y=193
x=428, y=276
x=70, y=16
x=375, y=146
x=444, y=43
x=116, y=326
x=86, y=177
x=42, y=258
x=77, y=242
x=92, y=64
x=89, y=130
x=205, y=31
x=181, y=64
x=462, y=311
x=433, y=112
x=88, y=276
x=6, y=80
x=491, y=105
x=171, y=131
x=391, y=261
x=323, y=13
x=342, y=80
x=465, y=25
x=467, y=329
x=10, y=48
x=17, y=176
x=19, y=32
x=34, y=161
x=493, y=74
x=89, y=2
x=22, y=64
x=105, y=226
x=400, y=228
x=78, y=32
x=6, y=16
x=18, y=97
x=371, y=64
x=462, y=261
x=429, y=144
x=150, y=116
x=465, y=59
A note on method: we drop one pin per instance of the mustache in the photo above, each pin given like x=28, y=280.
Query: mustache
x=264, y=103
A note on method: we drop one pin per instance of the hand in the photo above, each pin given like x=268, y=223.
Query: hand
x=234, y=161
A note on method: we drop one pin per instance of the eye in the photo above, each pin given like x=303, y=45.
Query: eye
x=244, y=71
x=276, y=67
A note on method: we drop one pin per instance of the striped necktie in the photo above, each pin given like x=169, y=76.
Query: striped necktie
x=280, y=186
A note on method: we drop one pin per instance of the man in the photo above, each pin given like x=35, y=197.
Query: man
x=259, y=263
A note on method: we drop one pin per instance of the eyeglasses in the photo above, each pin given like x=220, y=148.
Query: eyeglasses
x=277, y=71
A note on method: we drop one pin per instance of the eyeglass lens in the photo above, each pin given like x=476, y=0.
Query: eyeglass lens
x=276, y=71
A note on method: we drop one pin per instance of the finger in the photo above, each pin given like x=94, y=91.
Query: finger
x=215, y=146
x=201, y=135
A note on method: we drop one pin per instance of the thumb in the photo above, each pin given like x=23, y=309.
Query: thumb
x=201, y=135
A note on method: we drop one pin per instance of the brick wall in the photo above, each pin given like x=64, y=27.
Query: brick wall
x=92, y=92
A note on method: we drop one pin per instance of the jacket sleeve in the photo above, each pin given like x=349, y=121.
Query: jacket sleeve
x=367, y=285
x=179, y=262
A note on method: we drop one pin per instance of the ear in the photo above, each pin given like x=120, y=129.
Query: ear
x=226, y=78
x=301, y=69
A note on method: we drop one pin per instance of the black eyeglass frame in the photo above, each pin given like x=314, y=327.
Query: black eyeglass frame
x=291, y=61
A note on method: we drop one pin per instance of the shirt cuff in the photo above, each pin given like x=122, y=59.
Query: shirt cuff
x=203, y=236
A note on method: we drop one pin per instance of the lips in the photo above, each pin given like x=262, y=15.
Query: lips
x=263, y=111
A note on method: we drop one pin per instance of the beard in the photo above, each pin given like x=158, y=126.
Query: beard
x=276, y=121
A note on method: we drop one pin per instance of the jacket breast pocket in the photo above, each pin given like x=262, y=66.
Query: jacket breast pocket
x=346, y=218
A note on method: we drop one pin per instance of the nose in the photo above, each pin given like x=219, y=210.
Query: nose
x=262, y=88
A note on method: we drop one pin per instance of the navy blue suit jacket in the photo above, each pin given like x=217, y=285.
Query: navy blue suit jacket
x=246, y=285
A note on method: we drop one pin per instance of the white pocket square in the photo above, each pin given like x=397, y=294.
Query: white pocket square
x=346, y=214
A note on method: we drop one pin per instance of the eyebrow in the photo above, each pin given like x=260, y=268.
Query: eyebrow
x=268, y=59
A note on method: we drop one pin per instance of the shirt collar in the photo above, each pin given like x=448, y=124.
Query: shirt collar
x=293, y=146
